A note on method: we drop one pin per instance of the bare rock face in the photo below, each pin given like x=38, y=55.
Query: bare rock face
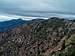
x=38, y=38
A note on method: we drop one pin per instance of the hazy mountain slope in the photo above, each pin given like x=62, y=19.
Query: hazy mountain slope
x=10, y=24
x=39, y=38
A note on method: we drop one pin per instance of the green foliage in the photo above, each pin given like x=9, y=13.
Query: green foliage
x=37, y=37
x=69, y=48
x=54, y=22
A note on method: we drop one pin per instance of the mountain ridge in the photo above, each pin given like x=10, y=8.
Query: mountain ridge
x=5, y=25
x=51, y=37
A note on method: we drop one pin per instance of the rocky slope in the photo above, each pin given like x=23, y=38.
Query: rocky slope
x=52, y=37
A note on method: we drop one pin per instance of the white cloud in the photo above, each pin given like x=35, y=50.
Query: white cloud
x=6, y=18
x=36, y=8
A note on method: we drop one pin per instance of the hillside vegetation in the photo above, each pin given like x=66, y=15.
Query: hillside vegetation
x=39, y=37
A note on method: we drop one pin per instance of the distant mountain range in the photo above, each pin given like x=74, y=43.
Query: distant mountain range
x=11, y=23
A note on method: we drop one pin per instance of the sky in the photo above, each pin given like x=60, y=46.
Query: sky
x=10, y=9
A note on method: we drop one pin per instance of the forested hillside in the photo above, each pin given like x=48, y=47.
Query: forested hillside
x=51, y=37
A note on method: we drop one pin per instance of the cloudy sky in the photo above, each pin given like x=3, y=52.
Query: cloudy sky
x=44, y=8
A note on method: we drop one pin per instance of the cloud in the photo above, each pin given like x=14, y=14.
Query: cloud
x=44, y=8
x=18, y=6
